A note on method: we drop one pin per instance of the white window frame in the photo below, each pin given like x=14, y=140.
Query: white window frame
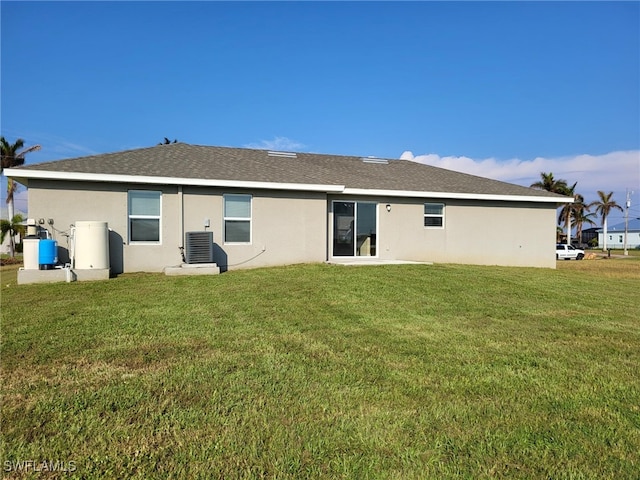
x=149, y=217
x=433, y=215
x=247, y=219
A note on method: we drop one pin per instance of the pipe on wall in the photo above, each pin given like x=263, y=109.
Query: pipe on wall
x=181, y=217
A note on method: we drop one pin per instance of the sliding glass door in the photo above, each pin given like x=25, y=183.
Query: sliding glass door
x=354, y=229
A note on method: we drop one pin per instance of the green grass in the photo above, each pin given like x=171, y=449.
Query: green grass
x=318, y=371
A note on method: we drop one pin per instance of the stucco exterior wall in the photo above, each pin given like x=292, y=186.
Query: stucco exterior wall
x=480, y=232
x=297, y=227
x=287, y=227
x=68, y=202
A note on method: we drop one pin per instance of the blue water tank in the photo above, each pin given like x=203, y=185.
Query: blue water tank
x=47, y=254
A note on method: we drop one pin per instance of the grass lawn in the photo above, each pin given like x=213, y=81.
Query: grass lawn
x=319, y=371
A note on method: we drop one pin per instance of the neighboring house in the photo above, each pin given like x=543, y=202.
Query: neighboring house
x=588, y=235
x=274, y=208
x=615, y=235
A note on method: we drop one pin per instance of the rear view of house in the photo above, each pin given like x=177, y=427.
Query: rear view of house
x=262, y=208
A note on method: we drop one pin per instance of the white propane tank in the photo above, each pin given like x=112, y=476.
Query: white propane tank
x=91, y=245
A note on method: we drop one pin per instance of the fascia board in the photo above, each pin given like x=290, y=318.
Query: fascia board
x=456, y=196
x=150, y=180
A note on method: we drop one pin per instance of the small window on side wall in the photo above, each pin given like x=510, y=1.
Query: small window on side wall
x=144, y=216
x=237, y=218
x=434, y=215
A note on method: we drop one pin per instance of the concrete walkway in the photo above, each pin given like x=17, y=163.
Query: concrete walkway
x=350, y=261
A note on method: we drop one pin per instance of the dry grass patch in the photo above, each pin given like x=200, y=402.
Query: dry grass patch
x=604, y=267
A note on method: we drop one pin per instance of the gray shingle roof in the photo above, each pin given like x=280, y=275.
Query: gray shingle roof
x=186, y=161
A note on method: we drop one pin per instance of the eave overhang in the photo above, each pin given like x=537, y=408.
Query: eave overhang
x=23, y=176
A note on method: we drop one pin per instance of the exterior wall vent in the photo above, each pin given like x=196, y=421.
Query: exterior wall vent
x=282, y=154
x=199, y=247
x=381, y=161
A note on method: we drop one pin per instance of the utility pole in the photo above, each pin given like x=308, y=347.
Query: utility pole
x=627, y=204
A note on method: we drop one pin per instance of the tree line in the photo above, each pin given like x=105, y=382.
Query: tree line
x=578, y=213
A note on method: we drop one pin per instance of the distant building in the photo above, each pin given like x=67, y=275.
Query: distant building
x=589, y=234
x=615, y=235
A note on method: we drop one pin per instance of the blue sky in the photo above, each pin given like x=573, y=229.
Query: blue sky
x=499, y=89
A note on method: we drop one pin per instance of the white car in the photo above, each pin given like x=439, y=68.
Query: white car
x=567, y=252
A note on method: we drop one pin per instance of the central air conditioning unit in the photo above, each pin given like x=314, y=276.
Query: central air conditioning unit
x=199, y=247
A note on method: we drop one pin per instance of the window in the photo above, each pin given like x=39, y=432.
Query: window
x=237, y=218
x=144, y=216
x=355, y=229
x=434, y=215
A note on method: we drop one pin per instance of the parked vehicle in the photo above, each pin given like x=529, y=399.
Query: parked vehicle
x=567, y=252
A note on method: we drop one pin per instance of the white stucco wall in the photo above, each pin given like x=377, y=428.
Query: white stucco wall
x=482, y=233
x=297, y=227
x=287, y=227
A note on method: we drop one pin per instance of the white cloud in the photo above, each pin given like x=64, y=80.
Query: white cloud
x=611, y=172
x=282, y=144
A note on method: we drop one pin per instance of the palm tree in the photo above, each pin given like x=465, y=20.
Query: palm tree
x=581, y=215
x=12, y=228
x=568, y=210
x=11, y=157
x=604, y=205
x=550, y=184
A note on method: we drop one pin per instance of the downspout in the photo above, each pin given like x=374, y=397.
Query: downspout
x=181, y=220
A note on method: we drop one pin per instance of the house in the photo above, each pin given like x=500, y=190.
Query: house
x=273, y=208
x=615, y=235
x=588, y=236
